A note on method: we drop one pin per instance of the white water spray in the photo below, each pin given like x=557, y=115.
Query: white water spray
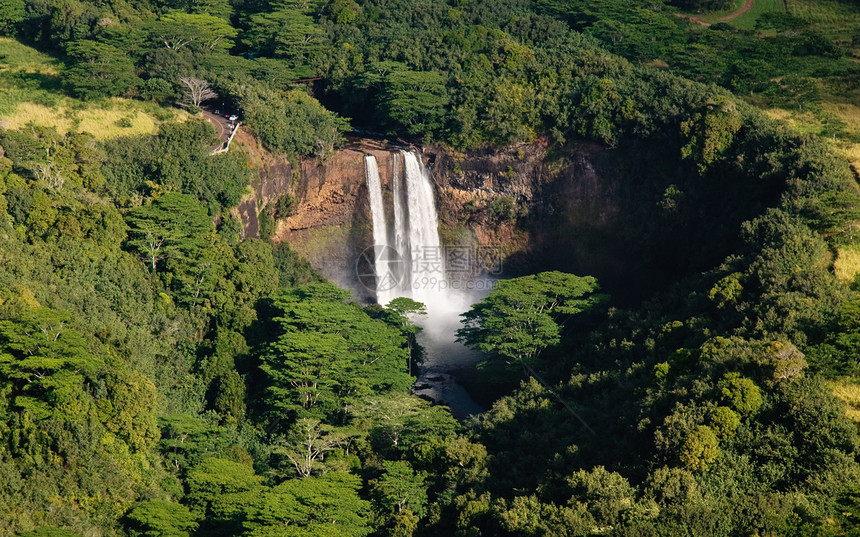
x=401, y=230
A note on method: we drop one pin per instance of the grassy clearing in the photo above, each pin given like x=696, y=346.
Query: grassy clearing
x=16, y=56
x=31, y=92
x=747, y=20
x=106, y=119
x=804, y=122
x=852, y=153
x=836, y=19
x=847, y=263
x=849, y=391
x=27, y=75
x=820, y=121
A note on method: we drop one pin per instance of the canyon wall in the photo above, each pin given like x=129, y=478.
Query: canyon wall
x=541, y=209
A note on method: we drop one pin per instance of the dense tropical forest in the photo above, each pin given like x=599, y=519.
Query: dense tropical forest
x=160, y=376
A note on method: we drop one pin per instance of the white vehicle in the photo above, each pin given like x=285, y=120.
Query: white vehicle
x=234, y=117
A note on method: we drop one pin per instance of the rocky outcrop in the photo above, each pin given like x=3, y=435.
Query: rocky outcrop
x=513, y=197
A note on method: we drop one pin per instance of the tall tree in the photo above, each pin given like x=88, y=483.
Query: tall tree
x=328, y=351
x=327, y=505
x=199, y=32
x=523, y=316
x=159, y=518
x=197, y=90
x=45, y=364
x=286, y=31
x=99, y=70
x=173, y=227
x=415, y=99
x=306, y=445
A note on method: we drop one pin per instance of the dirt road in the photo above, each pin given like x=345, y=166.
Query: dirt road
x=746, y=7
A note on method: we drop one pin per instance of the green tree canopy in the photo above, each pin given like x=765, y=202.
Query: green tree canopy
x=46, y=363
x=159, y=518
x=317, y=506
x=173, y=227
x=200, y=32
x=328, y=351
x=415, y=99
x=99, y=70
x=291, y=121
x=523, y=316
x=286, y=31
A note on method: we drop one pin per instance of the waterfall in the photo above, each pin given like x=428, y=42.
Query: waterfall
x=385, y=285
x=415, y=241
x=409, y=261
x=401, y=231
x=426, y=258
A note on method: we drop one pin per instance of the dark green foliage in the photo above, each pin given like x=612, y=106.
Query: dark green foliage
x=703, y=5
x=293, y=270
x=286, y=31
x=157, y=90
x=284, y=206
x=328, y=352
x=100, y=70
x=291, y=121
x=503, y=209
x=158, y=518
x=13, y=12
x=177, y=159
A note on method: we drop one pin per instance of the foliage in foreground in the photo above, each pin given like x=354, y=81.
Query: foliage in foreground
x=160, y=377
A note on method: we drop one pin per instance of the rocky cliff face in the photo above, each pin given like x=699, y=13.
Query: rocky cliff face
x=540, y=208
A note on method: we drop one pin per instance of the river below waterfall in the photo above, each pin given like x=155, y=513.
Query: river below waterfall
x=443, y=358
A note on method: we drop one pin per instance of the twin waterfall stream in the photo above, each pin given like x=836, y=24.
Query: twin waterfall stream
x=410, y=262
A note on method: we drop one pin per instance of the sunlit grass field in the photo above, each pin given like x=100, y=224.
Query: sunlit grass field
x=31, y=92
x=847, y=263
x=849, y=391
x=836, y=19
x=760, y=7
x=747, y=20
x=715, y=16
x=814, y=121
